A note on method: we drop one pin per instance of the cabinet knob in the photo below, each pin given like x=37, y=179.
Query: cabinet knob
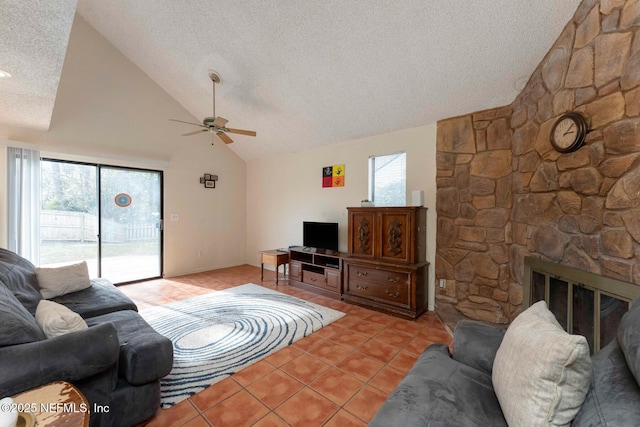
x=360, y=273
x=363, y=288
x=393, y=295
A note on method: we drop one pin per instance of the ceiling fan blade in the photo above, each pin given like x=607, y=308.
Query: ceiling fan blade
x=220, y=121
x=224, y=137
x=195, y=132
x=189, y=123
x=242, y=132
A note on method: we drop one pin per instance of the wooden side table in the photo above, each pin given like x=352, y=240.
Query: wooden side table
x=275, y=258
x=56, y=404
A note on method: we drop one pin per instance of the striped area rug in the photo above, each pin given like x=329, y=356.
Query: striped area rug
x=218, y=334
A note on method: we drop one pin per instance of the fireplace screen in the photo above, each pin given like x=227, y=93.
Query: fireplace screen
x=583, y=303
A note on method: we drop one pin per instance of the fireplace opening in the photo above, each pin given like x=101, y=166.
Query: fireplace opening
x=583, y=303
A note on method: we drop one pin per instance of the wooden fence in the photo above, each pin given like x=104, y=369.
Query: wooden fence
x=83, y=227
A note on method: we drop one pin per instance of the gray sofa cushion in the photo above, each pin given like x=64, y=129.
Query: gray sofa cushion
x=17, y=325
x=69, y=357
x=145, y=355
x=101, y=298
x=440, y=391
x=135, y=404
x=476, y=344
x=614, y=396
x=17, y=274
x=629, y=339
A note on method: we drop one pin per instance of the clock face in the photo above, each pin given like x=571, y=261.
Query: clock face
x=568, y=133
x=565, y=133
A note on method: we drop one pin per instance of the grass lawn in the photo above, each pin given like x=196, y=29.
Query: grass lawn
x=70, y=252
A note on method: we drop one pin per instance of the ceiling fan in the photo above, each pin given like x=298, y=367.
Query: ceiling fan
x=213, y=124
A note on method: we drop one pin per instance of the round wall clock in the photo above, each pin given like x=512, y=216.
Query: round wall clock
x=568, y=132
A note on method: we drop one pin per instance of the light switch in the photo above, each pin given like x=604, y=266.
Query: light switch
x=175, y=217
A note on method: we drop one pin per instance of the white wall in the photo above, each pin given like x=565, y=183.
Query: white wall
x=284, y=191
x=109, y=111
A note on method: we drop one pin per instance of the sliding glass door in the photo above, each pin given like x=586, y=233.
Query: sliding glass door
x=109, y=216
x=68, y=214
x=130, y=224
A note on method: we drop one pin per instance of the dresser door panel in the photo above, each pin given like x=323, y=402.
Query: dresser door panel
x=295, y=270
x=396, y=236
x=362, y=232
x=332, y=279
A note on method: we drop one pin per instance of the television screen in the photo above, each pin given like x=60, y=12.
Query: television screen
x=320, y=235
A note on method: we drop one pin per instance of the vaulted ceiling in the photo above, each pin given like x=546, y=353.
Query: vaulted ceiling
x=302, y=73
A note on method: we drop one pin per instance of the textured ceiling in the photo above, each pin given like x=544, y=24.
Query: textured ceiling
x=33, y=41
x=304, y=73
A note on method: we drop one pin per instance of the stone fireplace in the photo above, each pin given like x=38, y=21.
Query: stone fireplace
x=583, y=303
x=503, y=192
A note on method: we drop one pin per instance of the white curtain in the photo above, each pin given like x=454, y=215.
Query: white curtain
x=23, y=202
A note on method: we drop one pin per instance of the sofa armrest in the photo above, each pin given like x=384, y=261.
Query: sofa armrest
x=69, y=357
x=475, y=344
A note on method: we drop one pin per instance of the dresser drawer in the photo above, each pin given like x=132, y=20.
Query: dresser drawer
x=313, y=278
x=376, y=275
x=386, y=285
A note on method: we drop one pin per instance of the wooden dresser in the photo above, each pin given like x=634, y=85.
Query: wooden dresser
x=386, y=267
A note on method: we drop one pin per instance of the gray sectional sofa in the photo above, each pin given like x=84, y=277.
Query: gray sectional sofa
x=444, y=389
x=117, y=362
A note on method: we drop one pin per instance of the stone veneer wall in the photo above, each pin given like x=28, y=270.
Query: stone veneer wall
x=504, y=193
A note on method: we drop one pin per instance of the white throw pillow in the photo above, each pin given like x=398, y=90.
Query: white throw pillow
x=55, y=319
x=541, y=373
x=58, y=281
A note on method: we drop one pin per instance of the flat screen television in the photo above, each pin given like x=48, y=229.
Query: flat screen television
x=320, y=235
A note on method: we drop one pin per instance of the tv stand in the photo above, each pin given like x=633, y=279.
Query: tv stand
x=316, y=270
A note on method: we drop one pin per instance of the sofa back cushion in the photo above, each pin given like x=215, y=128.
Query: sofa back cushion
x=17, y=325
x=614, y=395
x=541, y=373
x=100, y=298
x=629, y=339
x=17, y=274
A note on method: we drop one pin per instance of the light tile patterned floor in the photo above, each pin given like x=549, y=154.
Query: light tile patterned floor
x=338, y=376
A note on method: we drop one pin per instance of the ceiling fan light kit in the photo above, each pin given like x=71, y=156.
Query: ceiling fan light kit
x=215, y=125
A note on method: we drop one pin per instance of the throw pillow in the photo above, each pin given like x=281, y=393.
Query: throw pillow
x=629, y=338
x=541, y=373
x=58, y=281
x=55, y=319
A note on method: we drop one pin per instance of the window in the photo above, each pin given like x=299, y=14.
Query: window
x=388, y=179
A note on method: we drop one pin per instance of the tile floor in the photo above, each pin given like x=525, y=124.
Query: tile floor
x=338, y=376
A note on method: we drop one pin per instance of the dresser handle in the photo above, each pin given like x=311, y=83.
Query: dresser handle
x=363, y=288
x=394, y=295
x=393, y=280
x=362, y=274
x=313, y=279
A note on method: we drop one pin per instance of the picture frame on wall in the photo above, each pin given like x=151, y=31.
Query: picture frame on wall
x=333, y=176
x=207, y=176
x=209, y=184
